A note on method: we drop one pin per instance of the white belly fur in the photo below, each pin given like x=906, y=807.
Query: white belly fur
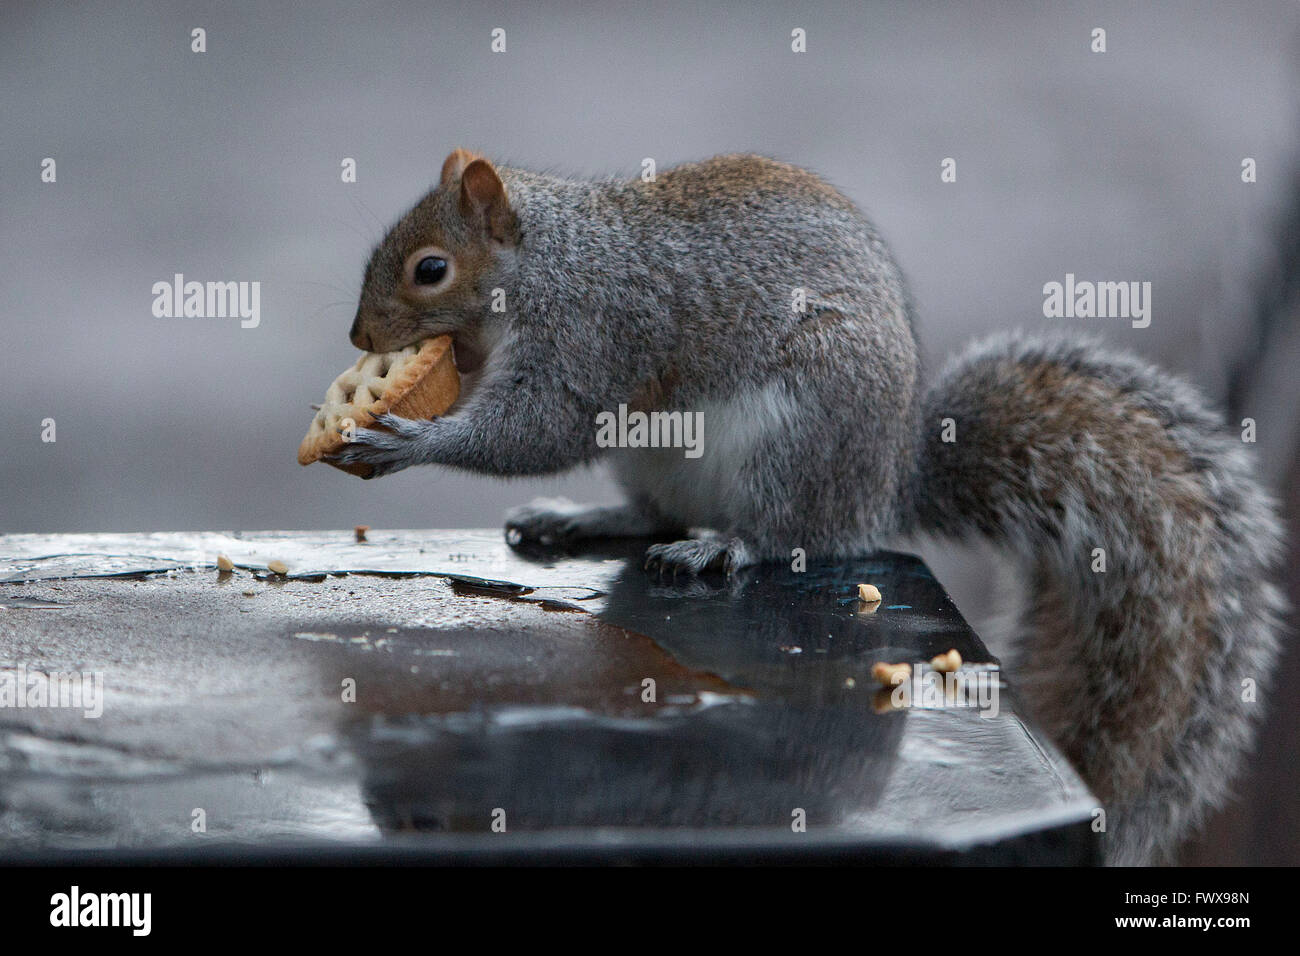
x=703, y=491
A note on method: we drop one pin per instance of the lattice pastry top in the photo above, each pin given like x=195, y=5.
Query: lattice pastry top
x=419, y=381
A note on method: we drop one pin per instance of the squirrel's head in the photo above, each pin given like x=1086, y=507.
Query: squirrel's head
x=427, y=277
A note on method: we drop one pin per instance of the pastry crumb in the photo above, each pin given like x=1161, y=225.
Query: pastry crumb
x=890, y=674
x=946, y=663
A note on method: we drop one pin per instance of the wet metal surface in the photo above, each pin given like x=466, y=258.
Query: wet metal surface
x=587, y=706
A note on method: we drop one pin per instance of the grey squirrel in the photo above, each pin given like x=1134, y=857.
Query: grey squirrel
x=680, y=293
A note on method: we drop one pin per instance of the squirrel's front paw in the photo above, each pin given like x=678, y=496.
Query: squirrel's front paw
x=708, y=552
x=546, y=522
x=386, y=451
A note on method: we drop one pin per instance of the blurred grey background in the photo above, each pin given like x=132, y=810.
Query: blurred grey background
x=225, y=165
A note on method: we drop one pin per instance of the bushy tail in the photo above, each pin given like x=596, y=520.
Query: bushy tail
x=1149, y=674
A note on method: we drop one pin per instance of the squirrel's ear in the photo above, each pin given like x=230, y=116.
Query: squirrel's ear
x=455, y=164
x=483, y=200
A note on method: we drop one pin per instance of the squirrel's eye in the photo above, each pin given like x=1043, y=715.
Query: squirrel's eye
x=427, y=271
x=430, y=270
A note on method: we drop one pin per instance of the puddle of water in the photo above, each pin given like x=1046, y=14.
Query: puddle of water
x=477, y=555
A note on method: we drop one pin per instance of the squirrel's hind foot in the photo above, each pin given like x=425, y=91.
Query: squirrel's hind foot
x=708, y=552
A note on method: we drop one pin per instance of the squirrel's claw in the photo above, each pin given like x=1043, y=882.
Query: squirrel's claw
x=547, y=523
x=387, y=449
x=692, y=555
x=711, y=552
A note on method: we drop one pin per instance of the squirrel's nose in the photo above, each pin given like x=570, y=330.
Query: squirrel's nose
x=360, y=338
